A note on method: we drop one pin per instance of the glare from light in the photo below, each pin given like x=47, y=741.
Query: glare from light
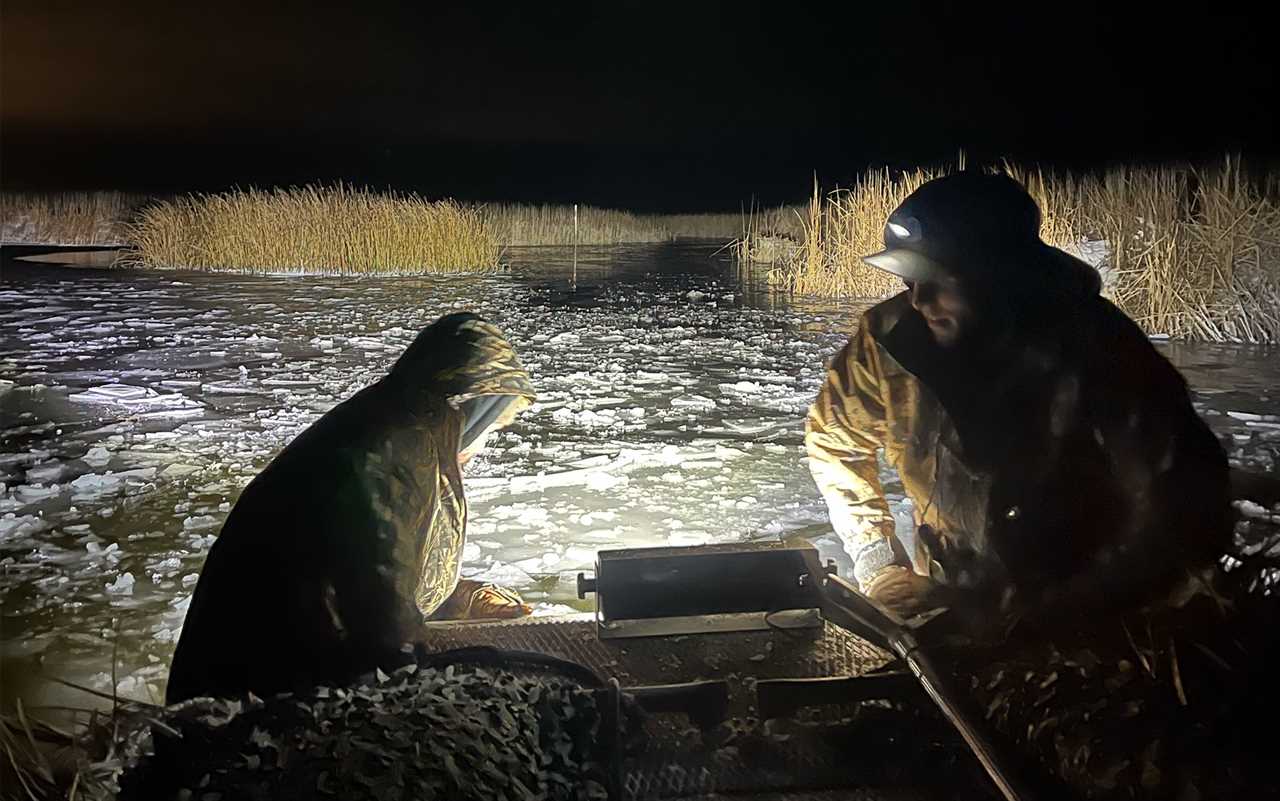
x=900, y=231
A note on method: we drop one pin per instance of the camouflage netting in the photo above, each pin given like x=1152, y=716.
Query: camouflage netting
x=1164, y=705
x=1149, y=706
x=420, y=733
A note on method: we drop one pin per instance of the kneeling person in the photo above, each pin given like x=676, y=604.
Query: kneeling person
x=1052, y=455
x=339, y=549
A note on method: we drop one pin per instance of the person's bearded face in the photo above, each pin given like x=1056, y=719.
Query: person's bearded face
x=946, y=306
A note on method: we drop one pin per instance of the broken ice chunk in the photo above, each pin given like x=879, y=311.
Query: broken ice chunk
x=133, y=397
x=97, y=456
x=123, y=585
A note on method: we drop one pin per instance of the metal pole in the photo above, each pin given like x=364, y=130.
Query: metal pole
x=846, y=607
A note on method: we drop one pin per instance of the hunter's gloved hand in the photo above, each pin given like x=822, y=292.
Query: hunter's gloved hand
x=903, y=591
x=492, y=601
x=473, y=600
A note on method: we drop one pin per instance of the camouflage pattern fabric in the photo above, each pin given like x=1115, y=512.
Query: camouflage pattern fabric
x=418, y=733
x=1065, y=460
x=336, y=552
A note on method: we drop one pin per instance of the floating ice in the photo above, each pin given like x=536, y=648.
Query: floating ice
x=94, y=547
x=1251, y=509
x=123, y=585
x=233, y=388
x=199, y=522
x=93, y=485
x=1246, y=416
x=585, y=418
x=97, y=456
x=645, y=377
x=137, y=688
x=693, y=402
x=558, y=610
x=12, y=527
x=32, y=493
x=507, y=575
x=602, y=481
x=179, y=471
x=579, y=555
x=33, y=456
x=686, y=538
x=133, y=397
x=167, y=567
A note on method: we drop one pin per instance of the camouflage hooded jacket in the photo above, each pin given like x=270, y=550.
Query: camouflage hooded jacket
x=1070, y=464
x=337, y=550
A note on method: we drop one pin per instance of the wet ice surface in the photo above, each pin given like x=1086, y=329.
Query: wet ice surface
x=136, y=406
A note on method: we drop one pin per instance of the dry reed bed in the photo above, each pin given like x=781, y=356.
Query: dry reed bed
x=514, y=224
x=347, y=230
x=782, y=222
x=67, y=218
x=1191, y=253
x=313, y=229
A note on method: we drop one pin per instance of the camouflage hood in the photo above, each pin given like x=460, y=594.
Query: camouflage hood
x=462, y=357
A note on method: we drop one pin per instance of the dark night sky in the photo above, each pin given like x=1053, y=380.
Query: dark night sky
x=684, y=106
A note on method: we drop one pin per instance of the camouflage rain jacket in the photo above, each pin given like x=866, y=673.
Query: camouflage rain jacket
x=1067, y=460
x=335, y=553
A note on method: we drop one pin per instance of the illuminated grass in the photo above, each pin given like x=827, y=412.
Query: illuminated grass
x=67, y=218
x=554, y=225
x=1192, y=253
x=781, y=221
x=346, y=230
x=343, y=229
x=1195, y=254
x=514, y=224
x=312, y=229
x=839, y=229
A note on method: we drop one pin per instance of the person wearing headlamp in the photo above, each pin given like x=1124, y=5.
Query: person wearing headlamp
x=1053, y=459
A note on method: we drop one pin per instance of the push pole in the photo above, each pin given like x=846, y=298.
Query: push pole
x=847, y=608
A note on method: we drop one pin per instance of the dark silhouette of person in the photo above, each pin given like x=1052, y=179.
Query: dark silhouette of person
x=338, y=550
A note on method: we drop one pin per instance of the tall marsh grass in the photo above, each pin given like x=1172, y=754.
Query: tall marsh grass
x=721, y=227
x=777, y=221
x=839, y=229
x=347, y=230
x=513, y=224
x=1191, y=253
x=554, y=225
x=337, y=229
x=67, y=218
